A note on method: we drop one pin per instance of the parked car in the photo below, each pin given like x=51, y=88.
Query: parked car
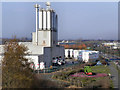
x=61, y=61
x=58, y=61
x=54, y=61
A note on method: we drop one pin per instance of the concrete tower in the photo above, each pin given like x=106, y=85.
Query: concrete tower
x=47, y=27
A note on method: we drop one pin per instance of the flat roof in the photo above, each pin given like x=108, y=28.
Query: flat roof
x=33, y=49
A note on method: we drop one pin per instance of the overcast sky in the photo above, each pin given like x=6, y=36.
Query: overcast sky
x=79, y=20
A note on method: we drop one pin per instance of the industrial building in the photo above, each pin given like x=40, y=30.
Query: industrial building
x=82, y=55
x=44, y=45
x=112, y=45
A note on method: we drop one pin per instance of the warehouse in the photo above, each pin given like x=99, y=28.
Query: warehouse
x=82, y=55
x=90, y=56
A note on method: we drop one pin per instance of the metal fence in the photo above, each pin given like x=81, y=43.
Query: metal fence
x=118, y=66
x=56, y=68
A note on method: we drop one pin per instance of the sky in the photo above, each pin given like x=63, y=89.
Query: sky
x=76, y=20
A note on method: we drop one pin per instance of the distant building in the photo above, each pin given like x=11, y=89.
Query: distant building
x=73, y=45
x=113, y=45
x=110, y=44
x=82, y=55
x=89, y=56
x=44, y=45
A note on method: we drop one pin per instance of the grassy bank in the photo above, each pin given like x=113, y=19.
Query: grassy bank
x=100, y=69
x=90, y=82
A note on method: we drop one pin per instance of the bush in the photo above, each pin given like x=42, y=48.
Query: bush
x=80, y=70
x=92, y=64
x=43, y=83
x=70, y=72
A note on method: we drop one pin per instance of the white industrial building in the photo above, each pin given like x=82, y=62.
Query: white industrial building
x=89, y=56
x=68, y=53
x=82, y=55
x=44, y=41
x=113, y=45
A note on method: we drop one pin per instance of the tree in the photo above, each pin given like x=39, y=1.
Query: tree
x=15, y=67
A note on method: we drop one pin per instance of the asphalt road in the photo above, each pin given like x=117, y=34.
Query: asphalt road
x=119, y=79
x=115, y=75
x=0, y=77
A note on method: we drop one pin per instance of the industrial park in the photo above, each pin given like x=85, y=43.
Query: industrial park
x=47, y=62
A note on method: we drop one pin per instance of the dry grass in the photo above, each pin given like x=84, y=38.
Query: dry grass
x=43, y=83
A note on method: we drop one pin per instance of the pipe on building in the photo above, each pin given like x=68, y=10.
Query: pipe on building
x=48, y=20
x=44, y=20
x=52, y=20
x=40, y=19
x=36, y=7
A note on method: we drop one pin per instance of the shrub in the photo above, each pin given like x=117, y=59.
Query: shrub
x=43, y=83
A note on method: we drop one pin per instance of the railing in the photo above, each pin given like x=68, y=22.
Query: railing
x=47, y=70
x=57, y=68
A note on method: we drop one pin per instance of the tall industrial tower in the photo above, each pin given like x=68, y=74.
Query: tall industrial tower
x=46, y=27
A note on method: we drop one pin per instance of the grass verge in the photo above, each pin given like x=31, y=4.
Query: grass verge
x=86, y=82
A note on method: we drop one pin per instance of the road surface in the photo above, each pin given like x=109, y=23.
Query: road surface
x=115, y=75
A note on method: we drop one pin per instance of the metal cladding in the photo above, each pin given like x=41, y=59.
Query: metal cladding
x=52, y=21
x=36, y=7
x=44, y=20
x=47, y=19
x=46, y=26
x=56, y=22
x=40, y=19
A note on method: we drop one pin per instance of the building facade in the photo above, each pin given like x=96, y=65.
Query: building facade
x=82, y=55
x=44, y=45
